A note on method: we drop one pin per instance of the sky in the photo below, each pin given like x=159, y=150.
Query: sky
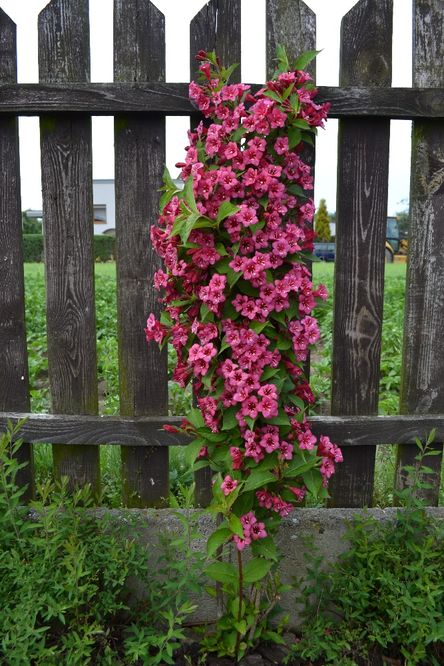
x=178, y=14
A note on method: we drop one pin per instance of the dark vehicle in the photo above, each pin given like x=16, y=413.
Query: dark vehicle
x=327, y=251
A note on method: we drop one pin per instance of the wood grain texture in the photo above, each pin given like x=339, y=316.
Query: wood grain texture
x=363, y=153
x=107, y=99
x=139, y=55
x=63, y=30
x=14, y=385
x=290, y=23
x=422, y=384
x=217, y=27
x=348, y=431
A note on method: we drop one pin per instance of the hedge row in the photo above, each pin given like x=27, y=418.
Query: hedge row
x=33, y=247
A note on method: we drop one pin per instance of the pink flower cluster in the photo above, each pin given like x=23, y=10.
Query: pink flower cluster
x=252, y=529
x=237, y=295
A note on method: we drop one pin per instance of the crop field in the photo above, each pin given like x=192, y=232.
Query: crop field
x=180, y=400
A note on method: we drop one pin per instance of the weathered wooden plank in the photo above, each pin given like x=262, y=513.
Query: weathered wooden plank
x=63, y=27
x=14, y=387
x=139, y=55
x=363, y=153
x=349, y=431
x=107, y=99
x=293, y=25
x=422, y=389
x=217, y=27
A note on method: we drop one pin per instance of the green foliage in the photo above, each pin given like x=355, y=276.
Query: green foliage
x=30, y=225
x=33, y=247
x=63, y=580
x=104, y=247
x=322, y=223
x=385, y=595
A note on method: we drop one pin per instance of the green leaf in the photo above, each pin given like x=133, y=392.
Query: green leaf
x=256, y=569
x=225, y=210
x=258, y=326
x=195, y=417
x=313, y=481
x=188, y=227
x=296, y=400
x=258, y=478
x=265, y=548
x=191, y=451
x=233, y=276
x=268, y=373
x=167, y=180
x=188, y=194
x=296, y=468
x=236, y=526
x=282, y=58
x=294, y=137
x=218, y=538
x=305, y=59
x=282, y=419
x=220, y=247
x=229, y=420
x=222, y=572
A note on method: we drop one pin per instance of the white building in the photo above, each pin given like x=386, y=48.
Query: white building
x=104, y=206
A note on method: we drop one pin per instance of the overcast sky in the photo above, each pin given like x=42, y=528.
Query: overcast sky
x=178, y=13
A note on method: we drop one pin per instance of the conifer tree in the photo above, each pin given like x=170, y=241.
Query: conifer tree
x=322, y=223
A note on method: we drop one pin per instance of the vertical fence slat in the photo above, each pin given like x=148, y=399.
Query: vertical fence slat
x=68, y=236
x=139, y=38
x=14, y=388
x=363, y=152
x=422, y=384
x=292, y=25
x=217, y=27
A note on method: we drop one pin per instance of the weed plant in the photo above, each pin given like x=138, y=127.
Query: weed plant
x=383, y=600
x=64, y=569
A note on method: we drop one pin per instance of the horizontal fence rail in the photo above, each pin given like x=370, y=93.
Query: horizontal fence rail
x=139, y=431
x=102, y=99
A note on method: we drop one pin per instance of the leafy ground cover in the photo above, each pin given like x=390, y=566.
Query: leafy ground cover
x=180, y=400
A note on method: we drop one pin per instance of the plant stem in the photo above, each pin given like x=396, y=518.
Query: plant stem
x=239, y=613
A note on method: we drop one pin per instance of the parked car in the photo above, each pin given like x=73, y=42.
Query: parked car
x=325, y=251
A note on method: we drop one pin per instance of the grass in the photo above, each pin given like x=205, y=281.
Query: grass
x=180, y=401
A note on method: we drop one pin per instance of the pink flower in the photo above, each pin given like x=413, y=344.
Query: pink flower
x=228, y=485
x=281, y=145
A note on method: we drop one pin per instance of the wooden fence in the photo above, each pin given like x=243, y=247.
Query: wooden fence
x=139, y=99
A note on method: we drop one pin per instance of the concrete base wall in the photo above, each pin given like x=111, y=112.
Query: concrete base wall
x=326, y=527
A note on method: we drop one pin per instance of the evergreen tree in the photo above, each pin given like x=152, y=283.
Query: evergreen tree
x=322, y=223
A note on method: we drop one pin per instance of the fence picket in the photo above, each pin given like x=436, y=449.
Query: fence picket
x=63, y=29
x=422, y=387
x=139, y=55
x=217, y=27
x=361, y=211
x=14, y=387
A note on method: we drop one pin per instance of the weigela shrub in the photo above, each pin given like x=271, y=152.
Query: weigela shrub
x=238, y=301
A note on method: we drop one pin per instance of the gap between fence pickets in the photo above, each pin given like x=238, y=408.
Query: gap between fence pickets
x=148, y=430
x=172, y=99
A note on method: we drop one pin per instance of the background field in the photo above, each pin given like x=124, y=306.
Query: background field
x=180, y=400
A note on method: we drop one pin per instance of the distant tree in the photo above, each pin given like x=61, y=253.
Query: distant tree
x=403, y=223
x=322, y=222
x=30, y=225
